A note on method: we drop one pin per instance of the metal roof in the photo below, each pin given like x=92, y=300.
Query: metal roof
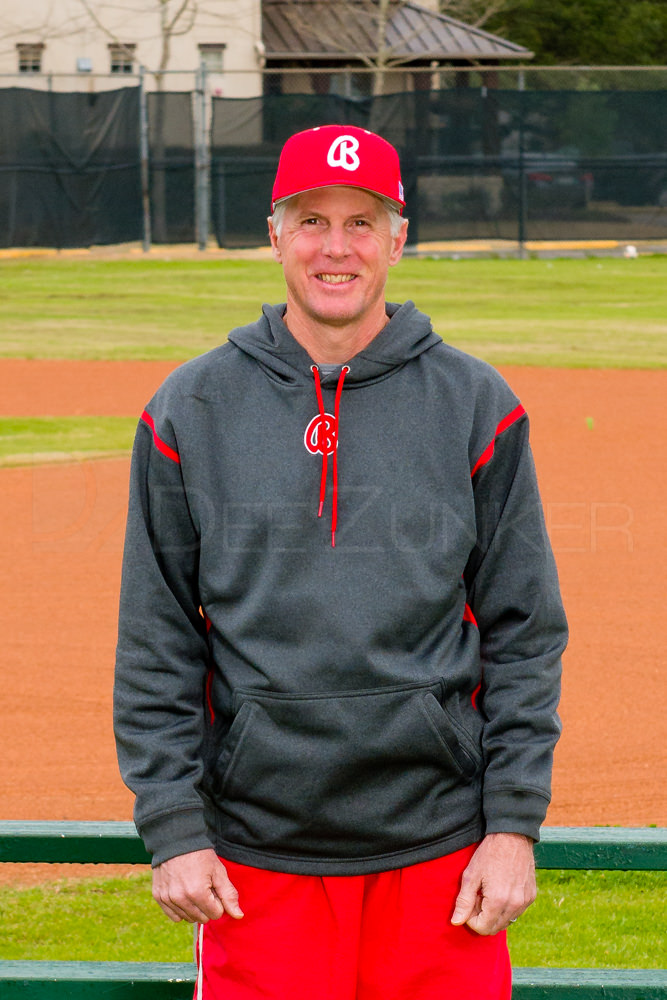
x=335, y=30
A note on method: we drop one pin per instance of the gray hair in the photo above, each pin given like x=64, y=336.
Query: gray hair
x=396, y=220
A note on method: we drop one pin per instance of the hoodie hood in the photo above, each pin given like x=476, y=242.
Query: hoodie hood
x=407, y=335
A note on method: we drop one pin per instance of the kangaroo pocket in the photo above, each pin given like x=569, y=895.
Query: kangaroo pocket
x=347, y=774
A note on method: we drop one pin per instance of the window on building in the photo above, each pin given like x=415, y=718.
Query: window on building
x=30, y=57
x=121, y=58
x=211, y=57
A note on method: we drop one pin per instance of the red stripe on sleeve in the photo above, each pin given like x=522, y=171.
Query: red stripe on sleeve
x=506, y=422
x=157, y=441
x=468, y=615
x=209, y=700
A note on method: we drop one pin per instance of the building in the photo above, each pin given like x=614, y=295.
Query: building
x=248, y=47
x=94, y=45
x=356, y=48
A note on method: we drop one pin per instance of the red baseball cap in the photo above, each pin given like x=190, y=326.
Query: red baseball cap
x=338, y=154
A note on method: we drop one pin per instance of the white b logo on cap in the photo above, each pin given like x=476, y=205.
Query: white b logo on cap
x=343, y=153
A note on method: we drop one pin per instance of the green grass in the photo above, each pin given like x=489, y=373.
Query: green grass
x=596, y=312
x=127, y=309
x=25, y=439
x=580, y=919
x=605, y=312
x=90, y=920
x=593, y=920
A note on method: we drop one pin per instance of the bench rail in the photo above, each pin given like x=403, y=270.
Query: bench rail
x=117, y=842
x=610, y=848
x=174, y=981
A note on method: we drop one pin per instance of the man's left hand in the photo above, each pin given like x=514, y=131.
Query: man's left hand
x=498, y=884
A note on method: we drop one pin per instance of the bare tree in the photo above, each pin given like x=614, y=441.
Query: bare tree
x=164, y=21
x=171, y=19
x=49, y=21
x=476, y=13
x=356, y=29
x=362, y=29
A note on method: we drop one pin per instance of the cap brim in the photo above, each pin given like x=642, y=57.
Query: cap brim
x=400, y=205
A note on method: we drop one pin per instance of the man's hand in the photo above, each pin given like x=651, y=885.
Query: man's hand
x=498, y=884
x=195, y=887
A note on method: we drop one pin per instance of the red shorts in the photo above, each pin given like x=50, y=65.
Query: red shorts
x=359, y=937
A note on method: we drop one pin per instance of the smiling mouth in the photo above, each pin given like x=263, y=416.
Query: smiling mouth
x=336, y=279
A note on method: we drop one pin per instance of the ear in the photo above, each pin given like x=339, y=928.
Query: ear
x=398, y=243
x=274, y=241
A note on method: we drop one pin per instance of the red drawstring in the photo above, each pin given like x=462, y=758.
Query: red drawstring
x=321, y=442
x=334, y=493
x=327, y=440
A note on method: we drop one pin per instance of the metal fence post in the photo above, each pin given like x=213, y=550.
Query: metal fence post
x=145, y=171
x=221, y=203
x=202, y=161
x=522, y=167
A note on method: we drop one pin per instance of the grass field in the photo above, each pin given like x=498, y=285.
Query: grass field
x=29, y=439
x=607, y=312
x=587, y=919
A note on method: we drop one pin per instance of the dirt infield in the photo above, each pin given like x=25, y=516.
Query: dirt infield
x=599, y=440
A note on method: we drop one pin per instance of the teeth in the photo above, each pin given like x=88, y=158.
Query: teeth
x=335, y=279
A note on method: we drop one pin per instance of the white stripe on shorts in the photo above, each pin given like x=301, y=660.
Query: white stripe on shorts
x=200, y=964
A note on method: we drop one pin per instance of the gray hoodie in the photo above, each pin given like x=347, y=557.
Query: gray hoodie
x=336, y=709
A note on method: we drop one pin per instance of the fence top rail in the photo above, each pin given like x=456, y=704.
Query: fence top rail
x=337, y=68
x=117, y=842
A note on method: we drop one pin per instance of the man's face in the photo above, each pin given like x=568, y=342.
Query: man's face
x=336, y=247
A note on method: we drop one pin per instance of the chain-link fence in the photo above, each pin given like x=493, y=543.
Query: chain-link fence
x=514, y=154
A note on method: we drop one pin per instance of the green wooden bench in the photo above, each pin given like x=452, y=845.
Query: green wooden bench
x=118, y=843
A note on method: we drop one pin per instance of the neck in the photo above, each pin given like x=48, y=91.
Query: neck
x=333, y=345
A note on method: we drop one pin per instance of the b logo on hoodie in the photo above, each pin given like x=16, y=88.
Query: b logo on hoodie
x=321, y=435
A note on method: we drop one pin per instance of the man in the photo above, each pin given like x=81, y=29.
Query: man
x=340, y=627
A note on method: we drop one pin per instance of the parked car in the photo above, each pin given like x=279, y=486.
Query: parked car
x=552, y=180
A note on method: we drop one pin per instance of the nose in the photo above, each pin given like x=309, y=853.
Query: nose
x=336, y=241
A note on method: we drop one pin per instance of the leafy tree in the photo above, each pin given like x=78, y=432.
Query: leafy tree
x=587, y=32
x=474, y=12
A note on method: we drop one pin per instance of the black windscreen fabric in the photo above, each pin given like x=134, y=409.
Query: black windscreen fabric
x=69, y=168
x=246, y=138
x=172, y=173
x=478, y=163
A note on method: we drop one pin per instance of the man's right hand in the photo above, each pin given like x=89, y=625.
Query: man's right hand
x=195, y=887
